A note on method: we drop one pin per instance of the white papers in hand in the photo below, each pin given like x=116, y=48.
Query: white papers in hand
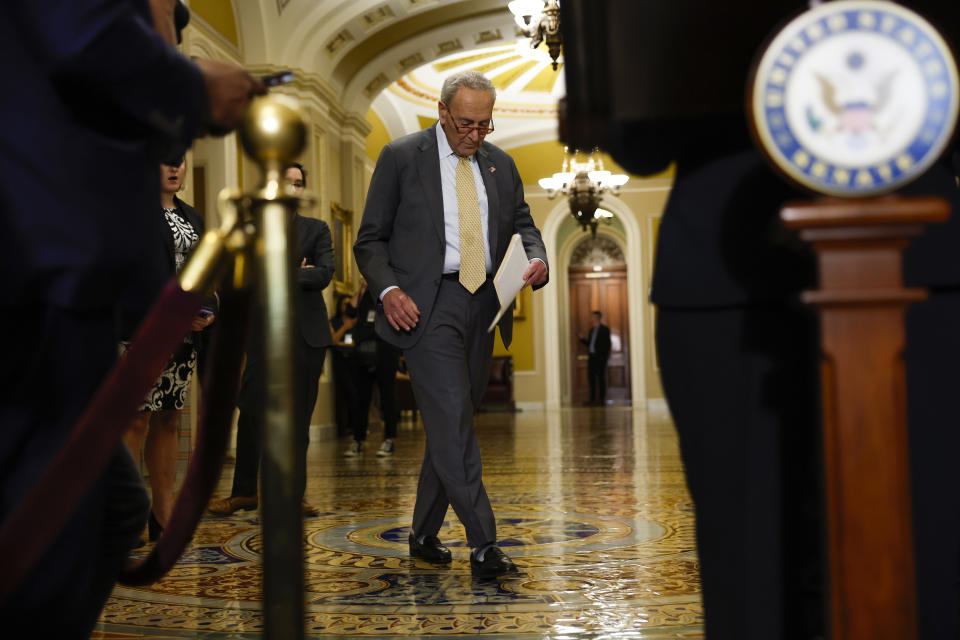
x=509, y=278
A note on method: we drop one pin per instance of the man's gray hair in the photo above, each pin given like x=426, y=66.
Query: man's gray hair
x=469, y=79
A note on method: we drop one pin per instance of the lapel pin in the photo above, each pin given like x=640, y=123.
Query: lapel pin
x=493, y=169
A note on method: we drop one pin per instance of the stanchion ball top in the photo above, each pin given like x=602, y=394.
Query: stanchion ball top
x=274, y=130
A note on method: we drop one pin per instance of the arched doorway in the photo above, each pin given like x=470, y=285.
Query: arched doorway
x=597, y=280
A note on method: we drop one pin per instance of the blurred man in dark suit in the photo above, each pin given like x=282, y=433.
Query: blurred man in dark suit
x=96, y=99
x=598, y=346
x=316, y=271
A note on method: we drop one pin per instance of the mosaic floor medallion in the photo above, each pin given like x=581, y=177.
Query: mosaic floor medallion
x=600, y=563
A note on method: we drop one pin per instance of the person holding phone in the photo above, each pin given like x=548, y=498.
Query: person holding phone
x=155, y=428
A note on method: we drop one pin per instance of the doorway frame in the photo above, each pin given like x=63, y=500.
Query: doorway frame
x=557, y=359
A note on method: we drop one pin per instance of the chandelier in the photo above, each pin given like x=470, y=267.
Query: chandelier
x=584, y=183
x=539, y=20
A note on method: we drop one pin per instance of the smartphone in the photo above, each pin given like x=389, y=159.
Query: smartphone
x=275, y=79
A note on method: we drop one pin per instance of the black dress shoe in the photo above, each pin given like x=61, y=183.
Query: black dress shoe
x=495, y=563
x=154, y=528
x=431, y=550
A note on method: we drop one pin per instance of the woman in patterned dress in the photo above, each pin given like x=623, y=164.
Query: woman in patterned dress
x=158, y=418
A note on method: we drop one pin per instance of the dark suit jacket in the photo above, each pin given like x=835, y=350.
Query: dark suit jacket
x=316, y=246
x=129, y=316
x=601, y=347
x=401, y=238
x=79, y=149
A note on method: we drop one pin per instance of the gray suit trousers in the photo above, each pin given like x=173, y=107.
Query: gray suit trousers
x=449, y=369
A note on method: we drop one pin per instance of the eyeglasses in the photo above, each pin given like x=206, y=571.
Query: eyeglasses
x=464, y=130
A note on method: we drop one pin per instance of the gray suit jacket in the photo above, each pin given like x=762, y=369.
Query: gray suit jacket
x=401, y=237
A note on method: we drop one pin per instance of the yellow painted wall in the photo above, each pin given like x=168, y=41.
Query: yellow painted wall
x=521, y=348
x=378, y=137
x=219, y=15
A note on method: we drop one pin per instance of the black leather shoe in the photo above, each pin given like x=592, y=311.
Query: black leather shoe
x=154, y=528
x=432, y=550
x=495, y=563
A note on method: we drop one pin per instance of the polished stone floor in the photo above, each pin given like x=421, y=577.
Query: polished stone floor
x=591, y=505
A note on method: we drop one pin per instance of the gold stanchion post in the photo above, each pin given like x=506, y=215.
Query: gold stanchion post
x=273, y=134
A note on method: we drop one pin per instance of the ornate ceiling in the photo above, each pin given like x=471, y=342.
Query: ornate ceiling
x=394, y=54
x=527, y=92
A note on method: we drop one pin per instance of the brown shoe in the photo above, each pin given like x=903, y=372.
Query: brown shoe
x=226, y=506
x=309, y=511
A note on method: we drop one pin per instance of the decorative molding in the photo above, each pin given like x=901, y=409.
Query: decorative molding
x=411, y=62
x=357, y=125
x=449, y=46
x=601, y=251
x=403, y=85
x=372, y=18
x=488, y=35
x=326, y=95
x=338, y=41
x=376, y=85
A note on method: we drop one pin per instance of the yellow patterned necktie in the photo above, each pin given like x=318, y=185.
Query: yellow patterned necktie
x=473, y=269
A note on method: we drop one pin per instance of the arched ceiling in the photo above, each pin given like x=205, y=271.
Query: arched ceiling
x=393, y=54
x=527, y=93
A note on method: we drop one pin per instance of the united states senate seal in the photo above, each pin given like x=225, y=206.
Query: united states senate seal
x=855, y=97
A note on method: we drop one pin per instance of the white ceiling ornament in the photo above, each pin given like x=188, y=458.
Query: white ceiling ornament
x=528, y=90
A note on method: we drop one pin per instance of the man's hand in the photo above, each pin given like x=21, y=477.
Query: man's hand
x=536, y=273
x=229, y=91
x=162, y=12
x=201, y=322
x=401, y=311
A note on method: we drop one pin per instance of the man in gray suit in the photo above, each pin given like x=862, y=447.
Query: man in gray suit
x=440, y=212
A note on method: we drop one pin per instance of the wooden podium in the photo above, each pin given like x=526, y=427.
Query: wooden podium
x=862, y=300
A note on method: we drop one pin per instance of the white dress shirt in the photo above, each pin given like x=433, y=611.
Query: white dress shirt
x=451, y=210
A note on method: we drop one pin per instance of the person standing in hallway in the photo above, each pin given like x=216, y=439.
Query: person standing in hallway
x=375, y=361
x=442, y=206
x=156, y=427
x=345, y=389
x=313, y=338
x=598, y=344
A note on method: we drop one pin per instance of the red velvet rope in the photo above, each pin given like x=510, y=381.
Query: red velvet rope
x=220, y=386
x=41, y=515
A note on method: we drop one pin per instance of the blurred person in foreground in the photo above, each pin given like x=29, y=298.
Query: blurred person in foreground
x=98, y=91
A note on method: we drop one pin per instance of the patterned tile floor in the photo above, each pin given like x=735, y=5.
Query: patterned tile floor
x=591, y=505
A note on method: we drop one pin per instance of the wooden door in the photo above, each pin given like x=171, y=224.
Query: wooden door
x=601, y=289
